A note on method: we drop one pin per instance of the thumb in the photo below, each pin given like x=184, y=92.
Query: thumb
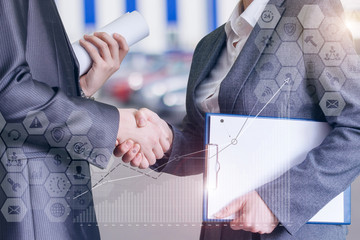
x=230, y=209
x=140, y=119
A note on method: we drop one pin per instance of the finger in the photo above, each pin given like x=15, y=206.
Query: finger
x=165, y=144
x=123, y=46
x=149, y=155
x=130, y=155
x=136, y=161
x=101, y=46
x=158, y=152
x=123, y=148
x=144, y=164
x=91, y=50
x=230, y=209
x=112, y=45
x=141, y=119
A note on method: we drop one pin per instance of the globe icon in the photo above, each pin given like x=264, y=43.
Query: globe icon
x=57, y=210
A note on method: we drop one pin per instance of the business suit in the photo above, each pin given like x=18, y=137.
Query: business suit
x=51, y=135
x=280, y=48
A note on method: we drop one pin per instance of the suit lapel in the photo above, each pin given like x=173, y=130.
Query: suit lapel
x=248, y=57
x=203, y=61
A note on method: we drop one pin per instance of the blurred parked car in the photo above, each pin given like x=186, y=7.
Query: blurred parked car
x=157, y=82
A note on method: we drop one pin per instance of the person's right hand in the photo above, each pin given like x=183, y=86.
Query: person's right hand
x=152, y=136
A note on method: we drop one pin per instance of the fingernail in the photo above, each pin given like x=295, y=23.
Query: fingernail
x=128, y=143
x=141, y=122
x=116, y=35
x=136, y=149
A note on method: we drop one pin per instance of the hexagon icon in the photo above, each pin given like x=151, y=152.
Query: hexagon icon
x=292, y=76
x=79, y=122
x=310, y=91
x=100, y=157
x=36, y=122
x=14, y=135
x=57, y=160
x=79, y=197
x=311, y=16
x=14, y=210
x=266, y=90
x=332, y=104
x=351, y=66
x=79, y=147
x=78, y=172
x=311, y=41
x=332, y=28
x=57, y=185
x=311, y=66
x=14, y=160
x=37, y=172
x=289, y=29
x=332, y=79
x=267, y=41
x=14, y=184
x=57, y=135
x=57, y=210
x=269, y=17
x=268, y=66
x=332, y=54
x=289, y=54
x=2, y=122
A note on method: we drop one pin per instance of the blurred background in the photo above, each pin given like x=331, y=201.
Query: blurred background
x=134, y=205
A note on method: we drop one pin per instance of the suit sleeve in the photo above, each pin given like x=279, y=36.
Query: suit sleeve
x=329, y=169
x=94, y=124
x=186, y=156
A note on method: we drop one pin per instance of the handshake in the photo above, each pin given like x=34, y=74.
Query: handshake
x=142, y=137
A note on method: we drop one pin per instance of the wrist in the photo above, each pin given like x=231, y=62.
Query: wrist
x=126, y=123
x=84, y=92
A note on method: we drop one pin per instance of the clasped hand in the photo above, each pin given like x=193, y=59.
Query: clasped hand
x=143, y=137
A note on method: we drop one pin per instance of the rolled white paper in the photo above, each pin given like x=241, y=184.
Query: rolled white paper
x=132, y=26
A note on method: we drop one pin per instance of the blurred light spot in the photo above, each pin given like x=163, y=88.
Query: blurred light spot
x=353, y=26
x=136, y=81
x=159, y=89
x=173, y=99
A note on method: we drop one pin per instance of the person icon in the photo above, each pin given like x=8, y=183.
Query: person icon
x=79, y=175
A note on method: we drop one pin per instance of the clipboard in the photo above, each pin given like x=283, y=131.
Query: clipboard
x=255, y=151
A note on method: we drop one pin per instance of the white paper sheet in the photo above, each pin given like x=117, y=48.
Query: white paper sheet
x=132, y=26
x=256, y=152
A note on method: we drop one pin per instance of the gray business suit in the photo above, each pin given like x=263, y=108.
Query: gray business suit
x=49, y=135
x=305, y=42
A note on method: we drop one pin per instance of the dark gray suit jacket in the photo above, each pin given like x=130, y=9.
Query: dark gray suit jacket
x=49, y=134
x=307, y=42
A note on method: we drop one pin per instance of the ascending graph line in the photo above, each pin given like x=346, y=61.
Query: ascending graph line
x=233, y=142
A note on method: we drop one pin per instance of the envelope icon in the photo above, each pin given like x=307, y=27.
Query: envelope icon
x=332, y=104
x=14, y=210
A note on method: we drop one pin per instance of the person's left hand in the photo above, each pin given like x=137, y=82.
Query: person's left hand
x=106, y=53
x=251, y=214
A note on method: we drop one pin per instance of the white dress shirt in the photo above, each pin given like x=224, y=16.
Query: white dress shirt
x=238, y=30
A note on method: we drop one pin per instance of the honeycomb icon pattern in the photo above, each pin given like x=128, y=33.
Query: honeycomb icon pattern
x=61, y=174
